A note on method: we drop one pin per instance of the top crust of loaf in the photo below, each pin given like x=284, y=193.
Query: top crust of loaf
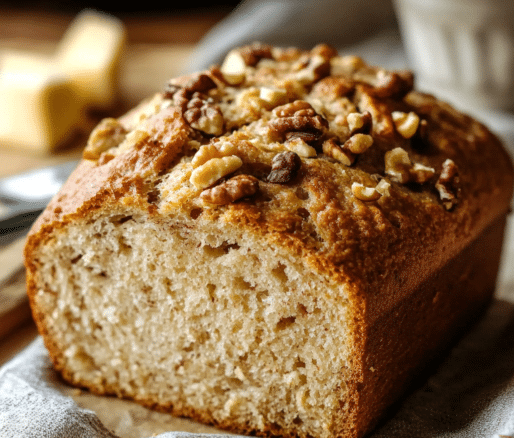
x=372, y=184
x=267, y=101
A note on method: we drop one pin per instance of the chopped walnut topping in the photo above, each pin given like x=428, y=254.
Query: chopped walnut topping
x=384, y=188
x=197, y=83
x=448, y=184
x=317, y=68
x=193, y=145
x=332, y=87
x=298, y=116
x=284, y=167
x=358, y=143
x=108, y=134
x=393, y=84
x=365, y=193
x=209, y=151
x=334, y=150
x=234, y=68
x=213, y=170
x=198, y=109
x=307, y=137
x=235, y=188
x=294, y=108
x=253, y=53
x=204, y=115
x=346, y=65
x=359, y=123
x=200, y=83
x=406, y=123
x=249, y=101
x=179, y=96
x=398, y=165
x=300, y=147
x=421, y=174
x=273, y=96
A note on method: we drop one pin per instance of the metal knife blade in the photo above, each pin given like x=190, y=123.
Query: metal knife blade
x=24, y=196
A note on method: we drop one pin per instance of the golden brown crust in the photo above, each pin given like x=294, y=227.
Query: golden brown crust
x=383, y=249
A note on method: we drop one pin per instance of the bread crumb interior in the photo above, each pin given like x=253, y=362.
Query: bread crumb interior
x=208, y=318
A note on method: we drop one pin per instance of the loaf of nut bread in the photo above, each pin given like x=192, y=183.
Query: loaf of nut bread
x=276, y=246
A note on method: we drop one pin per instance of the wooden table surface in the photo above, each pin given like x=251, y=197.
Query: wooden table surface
x=157, y=49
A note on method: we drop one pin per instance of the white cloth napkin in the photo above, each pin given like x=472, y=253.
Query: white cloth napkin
x=470, y=395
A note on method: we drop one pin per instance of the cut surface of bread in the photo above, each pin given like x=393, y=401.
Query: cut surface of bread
x=197, y=319
x=276, y=247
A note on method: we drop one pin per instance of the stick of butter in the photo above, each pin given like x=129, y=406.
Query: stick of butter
x=89, y=53
x=43, y=97
x=38, y=109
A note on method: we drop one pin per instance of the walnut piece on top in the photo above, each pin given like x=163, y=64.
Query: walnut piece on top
x=448, y=184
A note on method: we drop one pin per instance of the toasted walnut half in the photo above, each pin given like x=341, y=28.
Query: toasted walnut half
x=448, y=184
x=235, y=188
x=296, y=108
x=204, y=115
x=209, y=151
x=213, y=170
x=298, y=116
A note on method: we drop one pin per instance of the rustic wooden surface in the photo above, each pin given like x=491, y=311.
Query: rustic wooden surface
x=158, y=48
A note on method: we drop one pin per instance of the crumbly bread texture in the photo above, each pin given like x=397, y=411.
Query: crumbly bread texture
x=275, y=246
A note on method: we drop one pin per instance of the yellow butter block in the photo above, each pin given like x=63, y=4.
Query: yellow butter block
x=89, y=53
x=43, y=97
x=39, y=109
x=15, y=60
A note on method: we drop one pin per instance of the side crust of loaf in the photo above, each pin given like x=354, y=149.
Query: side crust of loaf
x=303, y=307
